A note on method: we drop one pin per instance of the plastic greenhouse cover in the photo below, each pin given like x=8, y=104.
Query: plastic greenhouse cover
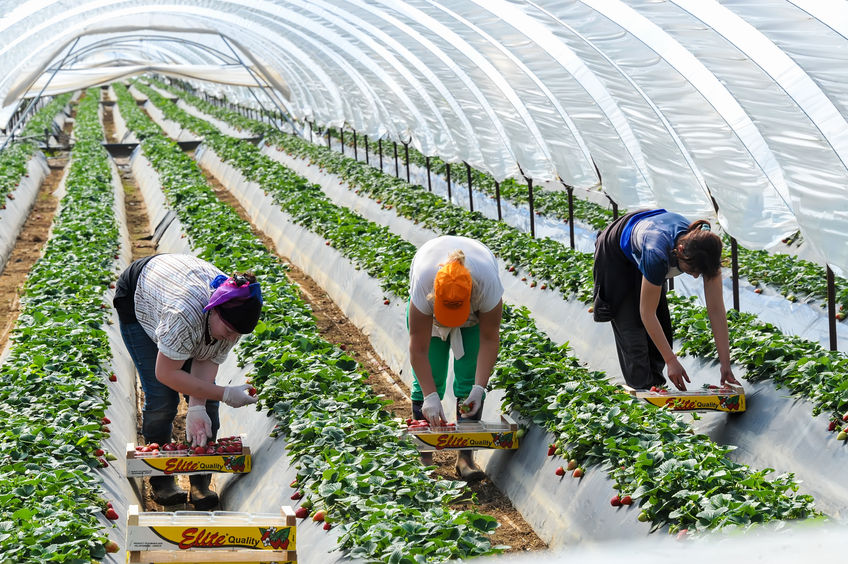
x=720, y=110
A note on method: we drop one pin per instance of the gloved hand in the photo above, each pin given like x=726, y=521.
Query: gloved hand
x=198, y=425
x=238, y=396
x=472, y=403
x=432, y=409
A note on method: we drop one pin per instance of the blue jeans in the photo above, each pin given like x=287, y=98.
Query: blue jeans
x=160, y=401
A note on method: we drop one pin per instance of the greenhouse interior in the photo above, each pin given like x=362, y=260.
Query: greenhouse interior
x=244, y=204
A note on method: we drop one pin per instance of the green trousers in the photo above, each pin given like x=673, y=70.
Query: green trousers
x=464, y=369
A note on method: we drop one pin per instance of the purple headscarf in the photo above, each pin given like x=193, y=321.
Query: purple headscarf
x=227, y=289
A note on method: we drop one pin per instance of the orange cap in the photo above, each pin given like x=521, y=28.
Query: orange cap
x=452, y=288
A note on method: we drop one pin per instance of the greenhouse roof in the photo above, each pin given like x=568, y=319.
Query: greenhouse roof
x=733, y=110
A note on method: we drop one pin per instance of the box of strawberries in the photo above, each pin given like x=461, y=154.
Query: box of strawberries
x=227, y=455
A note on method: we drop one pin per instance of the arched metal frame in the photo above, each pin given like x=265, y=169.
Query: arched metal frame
x=683, y=103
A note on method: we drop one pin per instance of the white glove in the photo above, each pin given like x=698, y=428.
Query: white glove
x=432, y=409
x=238, y=396
x=198, y=425
x=474, y=400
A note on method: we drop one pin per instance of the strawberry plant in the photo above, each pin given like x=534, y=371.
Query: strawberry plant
x=596, y=422
x=52, y=392
x=350, y=454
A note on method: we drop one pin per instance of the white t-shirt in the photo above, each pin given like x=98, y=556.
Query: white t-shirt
x=486, y=287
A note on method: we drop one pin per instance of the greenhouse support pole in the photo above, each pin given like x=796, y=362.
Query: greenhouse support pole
x=614, y=211
x=429, y=181
x=328, y=139
x=831, y=308
x=571, y=216
x=397, y=164
x=530, y=204
x=310, y=130
x=367, y=161
x=734, y=269
x=355, y=154
x=498, y=199
x=43, y=88
x=470, y=193
x=341, y=137
x=734, y=265
x=380, y=149
x=447, y=167
x=406, y=156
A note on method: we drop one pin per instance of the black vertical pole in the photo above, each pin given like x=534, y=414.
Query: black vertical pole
x=831, y=308
x=355, y=154
x=429, y=182
x=447, y=167
x=380, y=149
x=397, y=165
x=498, y=199
x=406, y=156
x=341, y=137
x=328, y=138
x=614, y=210
x=310, y=131
x=367, y=160
x=734, y=268
x=470, y=196
x=571, y=215
x=530, y=202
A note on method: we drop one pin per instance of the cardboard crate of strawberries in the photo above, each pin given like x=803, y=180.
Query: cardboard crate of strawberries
x=227, y=455
x=464, y=435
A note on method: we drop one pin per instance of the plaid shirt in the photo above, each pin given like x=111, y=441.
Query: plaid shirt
x=172, y=291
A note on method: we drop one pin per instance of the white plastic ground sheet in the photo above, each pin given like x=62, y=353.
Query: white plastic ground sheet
x=773, y=419
x=13, y=217
x=122, y=132
x=122, y=409
x=527, y=476
x=265, y=489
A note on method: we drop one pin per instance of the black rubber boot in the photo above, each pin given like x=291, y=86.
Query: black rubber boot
x=202, y=497
x=166, y=491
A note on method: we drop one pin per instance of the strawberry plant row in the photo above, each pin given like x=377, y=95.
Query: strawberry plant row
x=794, y=278
x=53, y=392
x=652, y=454
x=764, y=351
x=13, y=159
x=353, y=464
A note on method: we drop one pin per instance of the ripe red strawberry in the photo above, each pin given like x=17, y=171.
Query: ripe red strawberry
x=105, y=420
x=251, y=391
x=386, y=302
x=543, y=286
x=301, y=513
x=112, y=377
x=296, y=495
x=831, y=426
x=319, y=515
x=293, y=483
x=343, y=347
x=98, y=452
x=103, y=463
x=626, y=500
x=578, y=473
x=845, y=417
x=551, y=450
x=111, y=514
x=327, y=526
x=112, y=547
x=560, y=471
x=615, y=501
x=512, y=269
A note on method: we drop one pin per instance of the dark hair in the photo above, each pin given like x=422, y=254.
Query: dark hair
x=701, y=249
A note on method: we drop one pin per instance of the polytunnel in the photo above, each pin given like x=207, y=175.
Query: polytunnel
x=502, y=120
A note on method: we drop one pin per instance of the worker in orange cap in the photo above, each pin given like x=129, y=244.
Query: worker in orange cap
x=455, y=305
